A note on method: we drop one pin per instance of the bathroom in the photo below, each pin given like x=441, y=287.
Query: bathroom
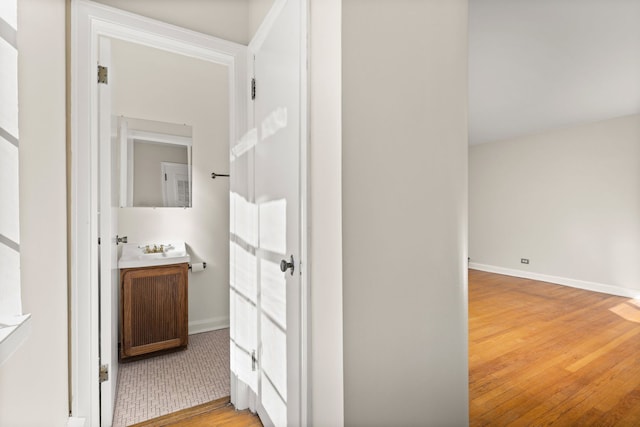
x=163, y=92
x=188, y=93
x=182, y=91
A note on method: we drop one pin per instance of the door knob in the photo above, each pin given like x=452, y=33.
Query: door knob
x=284, y=265
x=122, y=239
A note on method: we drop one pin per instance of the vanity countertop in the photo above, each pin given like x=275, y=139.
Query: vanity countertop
x=135, y=255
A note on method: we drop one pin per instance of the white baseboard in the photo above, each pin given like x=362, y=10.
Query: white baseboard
x=574, y=283
x=75, y=422
x=208, y=325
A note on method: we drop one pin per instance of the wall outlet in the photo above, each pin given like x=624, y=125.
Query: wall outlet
x=524, y=260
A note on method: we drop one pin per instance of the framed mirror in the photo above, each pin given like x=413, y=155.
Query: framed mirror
x=155, y=163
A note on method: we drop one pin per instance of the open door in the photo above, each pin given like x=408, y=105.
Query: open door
x=277, y=194
x=266, y=288
x=108, y=252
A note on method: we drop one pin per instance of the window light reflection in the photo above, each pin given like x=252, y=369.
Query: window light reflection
x=246, y=143
x=275, y=121
x=628, y=310
x=273, y=226
x=258, y=242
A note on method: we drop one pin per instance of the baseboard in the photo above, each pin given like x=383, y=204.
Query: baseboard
x=75, y=422
x=574, y=283
x=208, y=325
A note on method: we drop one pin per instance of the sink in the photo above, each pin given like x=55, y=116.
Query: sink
x=134, y=254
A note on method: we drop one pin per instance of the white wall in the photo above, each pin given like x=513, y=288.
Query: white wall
x=33, y=382
x=404, y=168
x=258, y=9
x=226, y=19
x=539, y=65
x=568, y=200
x=178, y=89
x=325, y=167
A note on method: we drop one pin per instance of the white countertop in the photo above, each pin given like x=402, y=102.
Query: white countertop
x=134, y=256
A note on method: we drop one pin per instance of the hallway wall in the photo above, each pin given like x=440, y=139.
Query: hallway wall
x=404, y=168
x=325, y=211
x=33, y=382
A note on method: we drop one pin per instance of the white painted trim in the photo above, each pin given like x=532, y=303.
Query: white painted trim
x=126, y=164
x=75, y=422
x=89, y=21
x=208, y=325
x=325, y=262
x=305, y=245
x=574, y=283
x=163, y=138
x=265, y=27
x=83, y=225
x=12, y=336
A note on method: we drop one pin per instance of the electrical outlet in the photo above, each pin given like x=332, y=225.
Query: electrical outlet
x=524, y=260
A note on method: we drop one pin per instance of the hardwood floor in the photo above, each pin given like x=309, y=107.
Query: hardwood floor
x=544, y=354
x=219, y=413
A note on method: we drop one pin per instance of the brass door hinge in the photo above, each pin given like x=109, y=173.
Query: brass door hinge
x=103, y=75
x=104, y=373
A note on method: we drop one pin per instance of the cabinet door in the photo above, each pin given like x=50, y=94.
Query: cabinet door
x=154, y=309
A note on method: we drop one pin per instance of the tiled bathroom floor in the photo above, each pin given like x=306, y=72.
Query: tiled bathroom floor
x=163, y=384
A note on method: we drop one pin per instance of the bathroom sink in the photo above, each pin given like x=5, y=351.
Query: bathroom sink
x=136, y=255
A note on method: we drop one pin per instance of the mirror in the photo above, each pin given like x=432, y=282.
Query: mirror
x=155, y=163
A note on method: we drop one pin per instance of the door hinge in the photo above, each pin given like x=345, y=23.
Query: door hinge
x=253, y=89
x=103, y=75
x=99, y=240
x=104, y=373
x=254, y=360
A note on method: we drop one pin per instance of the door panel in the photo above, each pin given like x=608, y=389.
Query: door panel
x=277, y=112
x=108, y=228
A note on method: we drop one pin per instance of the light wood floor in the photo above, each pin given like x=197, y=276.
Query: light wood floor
x=543, y=354
x=219, y=413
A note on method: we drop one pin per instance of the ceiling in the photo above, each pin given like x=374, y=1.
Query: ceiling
x=536, y=65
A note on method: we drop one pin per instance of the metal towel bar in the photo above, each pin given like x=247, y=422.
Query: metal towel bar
x=215, y=175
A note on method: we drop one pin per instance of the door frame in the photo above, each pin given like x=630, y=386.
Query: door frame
x=89, y=22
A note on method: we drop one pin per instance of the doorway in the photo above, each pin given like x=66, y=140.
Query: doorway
x=93, y=307
x=100, y=216
x=170, y=114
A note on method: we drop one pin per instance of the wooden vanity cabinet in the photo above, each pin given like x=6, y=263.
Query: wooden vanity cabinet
x=153, y=309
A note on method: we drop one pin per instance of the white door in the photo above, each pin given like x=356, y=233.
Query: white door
x=277, y=117
x=108, y=228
